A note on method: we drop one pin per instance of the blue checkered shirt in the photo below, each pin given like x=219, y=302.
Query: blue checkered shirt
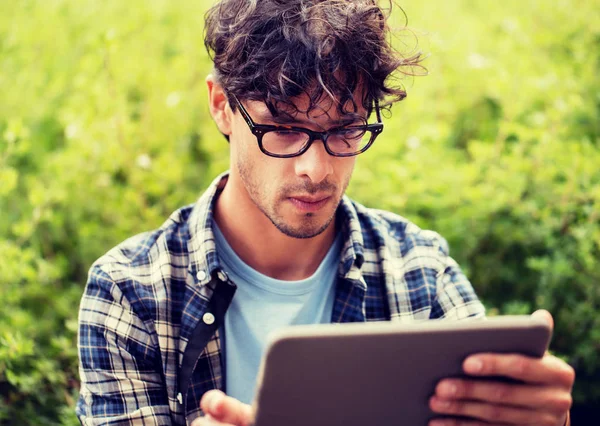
x=149, y=344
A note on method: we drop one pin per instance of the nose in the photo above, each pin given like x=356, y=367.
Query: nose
x=315, y=163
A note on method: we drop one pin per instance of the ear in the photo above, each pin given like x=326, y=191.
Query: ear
x=219, y=106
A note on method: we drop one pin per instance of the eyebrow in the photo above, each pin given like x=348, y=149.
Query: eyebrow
x=286, y=119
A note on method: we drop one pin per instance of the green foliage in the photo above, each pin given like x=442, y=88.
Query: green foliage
x=104, y=131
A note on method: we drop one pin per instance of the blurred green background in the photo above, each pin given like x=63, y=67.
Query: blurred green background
x=104, y=131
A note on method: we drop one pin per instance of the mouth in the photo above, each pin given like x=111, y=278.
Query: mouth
x=309, y=204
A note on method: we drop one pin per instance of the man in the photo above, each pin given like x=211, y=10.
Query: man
x=172, y=318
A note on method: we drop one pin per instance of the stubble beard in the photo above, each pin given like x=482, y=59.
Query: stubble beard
x=306, y=229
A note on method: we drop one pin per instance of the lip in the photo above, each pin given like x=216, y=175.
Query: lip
x=309, y=204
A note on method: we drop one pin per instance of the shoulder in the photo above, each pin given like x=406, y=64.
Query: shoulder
x=384, y=228
x=139, y=250
x=422, y=280
x=139, y=271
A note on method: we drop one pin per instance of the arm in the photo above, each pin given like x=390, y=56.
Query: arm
x=119, y=365
x=455, y=297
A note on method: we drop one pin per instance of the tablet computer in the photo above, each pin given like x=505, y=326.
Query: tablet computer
x=377, y=373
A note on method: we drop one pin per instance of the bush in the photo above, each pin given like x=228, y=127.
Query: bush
x=104, y=131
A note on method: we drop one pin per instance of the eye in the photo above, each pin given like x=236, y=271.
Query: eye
x=351, y=133
x=286, y=137
x=287, y=134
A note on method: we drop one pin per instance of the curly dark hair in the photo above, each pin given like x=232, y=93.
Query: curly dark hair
x=275, y=50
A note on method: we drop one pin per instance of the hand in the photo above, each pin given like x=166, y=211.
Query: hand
x=222, y=410
x=544, y=398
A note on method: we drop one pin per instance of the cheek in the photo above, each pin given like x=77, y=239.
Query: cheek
x=245, y=154
x=275, y=174
x=344, y=168
x=243, y=145
x=265, y=175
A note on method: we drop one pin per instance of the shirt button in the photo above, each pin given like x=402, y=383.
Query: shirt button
x=208, y=318
x=222, y=276
x=201, y=275
x=179, y=398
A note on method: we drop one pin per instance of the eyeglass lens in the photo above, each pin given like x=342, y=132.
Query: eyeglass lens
x=343, y=141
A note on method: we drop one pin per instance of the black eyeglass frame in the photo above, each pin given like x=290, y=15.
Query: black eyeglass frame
x=259, y=130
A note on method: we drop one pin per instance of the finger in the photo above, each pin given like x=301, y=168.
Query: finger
x=208, y=421
x=554, y=399
x=225, y=408
x=207, y=398
x=492, y=413
x=451, y=421
x=546, y=370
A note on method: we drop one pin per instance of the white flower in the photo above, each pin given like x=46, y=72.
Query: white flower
x=413, y=142
x=477, y=61
x=173, y=99
x=144, y=161
x=71, y=131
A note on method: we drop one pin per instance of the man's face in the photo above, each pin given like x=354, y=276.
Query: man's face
x=299, y=195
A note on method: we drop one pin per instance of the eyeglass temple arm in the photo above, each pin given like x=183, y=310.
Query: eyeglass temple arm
x=376, y=101
x=245, y=114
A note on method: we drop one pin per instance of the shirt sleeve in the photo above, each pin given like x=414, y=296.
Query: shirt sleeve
x=119, y=365
x=455, y=297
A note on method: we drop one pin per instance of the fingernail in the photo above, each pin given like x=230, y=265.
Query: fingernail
x=448, y=389
x=473, y=365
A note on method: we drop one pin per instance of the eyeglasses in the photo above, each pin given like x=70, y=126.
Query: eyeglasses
x=283, y=141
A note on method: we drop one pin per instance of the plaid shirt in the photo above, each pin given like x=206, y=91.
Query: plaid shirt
x=149, y=344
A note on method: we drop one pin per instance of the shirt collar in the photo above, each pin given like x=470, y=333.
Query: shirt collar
x=352, y=257
x=204, y=261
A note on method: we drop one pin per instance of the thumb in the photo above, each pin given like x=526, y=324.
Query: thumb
x=545, y=315
x=226, y=409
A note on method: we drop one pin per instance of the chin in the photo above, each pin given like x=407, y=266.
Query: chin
x=303, y=230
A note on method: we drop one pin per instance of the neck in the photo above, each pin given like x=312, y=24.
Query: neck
x=261, y=245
